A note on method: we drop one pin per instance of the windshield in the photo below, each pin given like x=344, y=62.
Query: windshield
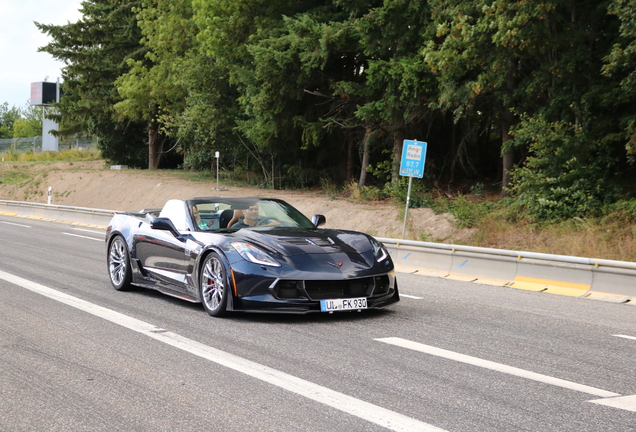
x=213, y=214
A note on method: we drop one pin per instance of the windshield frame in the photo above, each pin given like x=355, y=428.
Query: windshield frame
x=273, y=213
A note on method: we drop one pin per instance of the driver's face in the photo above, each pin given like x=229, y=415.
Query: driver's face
x=251, y=214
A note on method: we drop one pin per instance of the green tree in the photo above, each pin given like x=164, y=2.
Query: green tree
x=621, y=64
x=504, y=58
x=303, y=88
x=8, y=116
x=30, y=122
x=152, y=90
x=95, y=50
x=398, y=81
x=565, y=175
x=239, y=39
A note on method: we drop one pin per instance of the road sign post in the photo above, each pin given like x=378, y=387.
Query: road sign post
x=412, y=165
x=216, y=155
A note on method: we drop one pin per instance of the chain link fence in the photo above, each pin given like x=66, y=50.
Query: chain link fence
x=34, y=144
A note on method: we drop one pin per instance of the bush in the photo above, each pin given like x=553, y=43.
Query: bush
x=565, y=175
x=399, y=191
x=623, y=210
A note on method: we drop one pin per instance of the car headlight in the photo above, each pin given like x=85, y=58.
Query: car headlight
x=379, y=250
x=253, y=254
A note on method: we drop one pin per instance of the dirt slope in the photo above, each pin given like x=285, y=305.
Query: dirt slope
x=91, y=184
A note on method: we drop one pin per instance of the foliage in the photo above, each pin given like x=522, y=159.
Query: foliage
x=566, y=173
x=152, y=90
x=536, y=95
x=30, y=122
x=359, y=193
x=51, y=156
x=399, y=191
x=623, y=211
x=505, y=58
x=8, y=116
x=95, y=50
x=621, y=63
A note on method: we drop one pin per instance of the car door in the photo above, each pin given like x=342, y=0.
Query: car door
x=164, y=255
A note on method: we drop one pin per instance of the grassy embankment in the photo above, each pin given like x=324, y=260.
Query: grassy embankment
x=496, y=223
x=503, y=224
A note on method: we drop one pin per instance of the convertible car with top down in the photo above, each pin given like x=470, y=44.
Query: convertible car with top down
x=248, y=255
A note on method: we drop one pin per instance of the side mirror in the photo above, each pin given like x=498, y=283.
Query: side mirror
x=318, y=220
x=164, y=224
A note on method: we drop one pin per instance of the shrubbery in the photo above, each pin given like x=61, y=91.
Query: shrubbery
x=565, y=174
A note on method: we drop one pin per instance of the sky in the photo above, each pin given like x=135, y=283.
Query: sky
x=20, y=62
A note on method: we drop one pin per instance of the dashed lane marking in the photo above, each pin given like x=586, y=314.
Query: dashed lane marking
x=610, y=399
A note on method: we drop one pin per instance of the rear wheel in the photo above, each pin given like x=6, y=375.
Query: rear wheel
x=119, y=264
x=213, y=285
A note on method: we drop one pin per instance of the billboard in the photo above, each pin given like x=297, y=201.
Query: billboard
x=43, y=93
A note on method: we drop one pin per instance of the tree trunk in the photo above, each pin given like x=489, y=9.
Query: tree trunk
x=153, y=146
x=507, y=118
x=398, y=143
x=365, y=157
x=351, y=146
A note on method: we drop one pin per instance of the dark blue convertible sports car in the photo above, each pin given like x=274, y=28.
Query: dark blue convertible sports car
x=248, y=254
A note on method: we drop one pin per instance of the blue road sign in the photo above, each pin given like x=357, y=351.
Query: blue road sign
x=413, y=157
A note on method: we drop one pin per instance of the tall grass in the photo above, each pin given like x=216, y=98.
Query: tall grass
x=503, y=225
x=73, y=155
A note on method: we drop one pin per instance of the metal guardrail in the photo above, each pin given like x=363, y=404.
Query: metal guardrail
x=78, y=215
x=575, y=276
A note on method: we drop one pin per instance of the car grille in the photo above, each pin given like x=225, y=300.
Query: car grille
x=329, y=289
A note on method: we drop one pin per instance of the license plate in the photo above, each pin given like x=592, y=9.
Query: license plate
x=343, y=304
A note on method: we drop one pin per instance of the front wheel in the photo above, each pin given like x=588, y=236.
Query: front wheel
x=213, y=285
x=119, y=264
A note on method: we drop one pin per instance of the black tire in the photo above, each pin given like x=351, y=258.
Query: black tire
x=119, y=269
x=214, y=287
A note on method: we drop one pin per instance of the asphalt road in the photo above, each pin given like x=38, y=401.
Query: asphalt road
x=76, y=355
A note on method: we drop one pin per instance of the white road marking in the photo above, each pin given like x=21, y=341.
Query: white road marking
x=16, y=224
x=81, y=236
x=496, y=366
x=348, y=404
x=411, y=297
x=90, y=231
x=623, y=402
x=626, y=337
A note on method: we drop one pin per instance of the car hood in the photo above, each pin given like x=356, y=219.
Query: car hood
x=294, y=241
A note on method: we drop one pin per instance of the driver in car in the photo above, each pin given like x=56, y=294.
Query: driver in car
x=250, y=218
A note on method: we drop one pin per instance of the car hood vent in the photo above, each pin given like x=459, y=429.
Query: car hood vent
x=315, y=241
x=294, y=242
